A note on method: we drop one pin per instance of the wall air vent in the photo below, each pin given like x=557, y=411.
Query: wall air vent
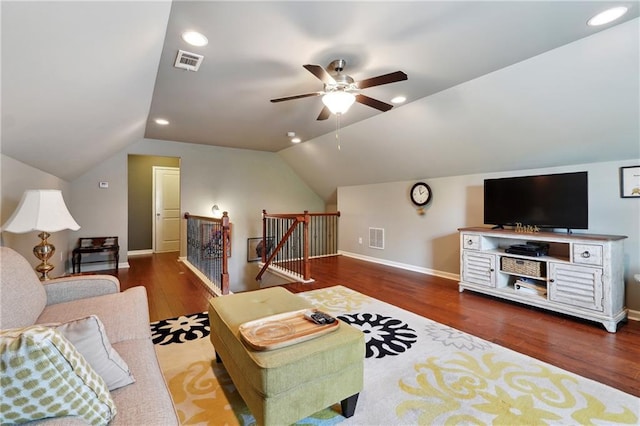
x=188, y=61
x=376, y=238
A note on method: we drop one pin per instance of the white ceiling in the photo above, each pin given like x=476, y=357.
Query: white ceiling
x=83, y=80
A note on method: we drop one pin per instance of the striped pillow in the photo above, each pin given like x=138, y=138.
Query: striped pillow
x=89, y=338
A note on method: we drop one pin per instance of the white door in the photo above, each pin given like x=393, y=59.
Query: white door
x=166, y=220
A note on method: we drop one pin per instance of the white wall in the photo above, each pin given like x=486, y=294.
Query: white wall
x=429, y=243
x=16, y=178
x=241, y=182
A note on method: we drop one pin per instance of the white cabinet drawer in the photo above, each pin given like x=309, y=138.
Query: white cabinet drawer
x=587, y=254
x=471, y=241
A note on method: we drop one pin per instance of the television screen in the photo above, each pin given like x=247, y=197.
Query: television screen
x=547, y=201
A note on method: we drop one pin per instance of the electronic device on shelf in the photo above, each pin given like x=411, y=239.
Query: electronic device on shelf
x=529, y=249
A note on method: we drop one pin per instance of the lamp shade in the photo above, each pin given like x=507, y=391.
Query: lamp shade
x=40, y=210
x=338, y=101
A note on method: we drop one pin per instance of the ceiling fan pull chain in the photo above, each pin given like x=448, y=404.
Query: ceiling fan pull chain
x=338, y=130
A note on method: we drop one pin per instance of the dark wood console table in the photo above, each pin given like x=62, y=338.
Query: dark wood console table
x=93, y=245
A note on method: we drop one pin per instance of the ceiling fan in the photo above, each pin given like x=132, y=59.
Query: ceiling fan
x=341, y=91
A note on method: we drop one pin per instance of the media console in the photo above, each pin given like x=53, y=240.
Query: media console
x=581, y=275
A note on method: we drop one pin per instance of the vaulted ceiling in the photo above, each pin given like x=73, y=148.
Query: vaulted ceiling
x=83, y=80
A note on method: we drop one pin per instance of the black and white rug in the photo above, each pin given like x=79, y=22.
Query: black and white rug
x=417, y=371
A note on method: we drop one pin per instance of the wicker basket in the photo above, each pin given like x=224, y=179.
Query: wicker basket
x=531, y=268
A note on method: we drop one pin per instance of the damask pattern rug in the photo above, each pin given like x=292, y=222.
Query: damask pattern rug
x=417, y=372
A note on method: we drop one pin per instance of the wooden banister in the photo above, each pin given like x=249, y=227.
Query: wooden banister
x=273, y=226
x=221, y=276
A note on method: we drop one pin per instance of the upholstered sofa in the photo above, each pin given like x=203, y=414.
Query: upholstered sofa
x=25, y=302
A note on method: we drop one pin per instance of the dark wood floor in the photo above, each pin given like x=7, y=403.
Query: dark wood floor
x=582, y=347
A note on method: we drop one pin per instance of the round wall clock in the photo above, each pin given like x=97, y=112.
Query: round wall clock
x=420, y=194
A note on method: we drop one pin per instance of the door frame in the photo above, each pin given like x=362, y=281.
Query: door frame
x=154, y=212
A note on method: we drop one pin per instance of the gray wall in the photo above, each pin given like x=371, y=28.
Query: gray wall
x=576, y=104
x=140, y=176
x=255, y=180
x=242, y=182
x=429, y=243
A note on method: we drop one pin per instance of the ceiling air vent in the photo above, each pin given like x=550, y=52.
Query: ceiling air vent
x=188, y=61
x=376, y=238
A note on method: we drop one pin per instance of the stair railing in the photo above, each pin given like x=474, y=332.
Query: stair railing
x=208, y=248
x=290, y=240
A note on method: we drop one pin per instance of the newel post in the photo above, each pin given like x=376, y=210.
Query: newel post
x=224, y=277
x=264, y=236
x=305, y=243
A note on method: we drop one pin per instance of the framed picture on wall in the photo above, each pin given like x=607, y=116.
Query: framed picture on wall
x=630, y=182
x=255, y=248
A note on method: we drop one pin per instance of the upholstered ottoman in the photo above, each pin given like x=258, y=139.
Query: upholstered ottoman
x=282, y=386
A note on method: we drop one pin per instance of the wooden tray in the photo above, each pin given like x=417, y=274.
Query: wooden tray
x=278, y=331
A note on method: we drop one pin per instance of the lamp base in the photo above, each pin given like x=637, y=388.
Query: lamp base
x=44, y=251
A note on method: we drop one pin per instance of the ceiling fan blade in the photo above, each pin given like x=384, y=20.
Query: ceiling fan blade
x=321, y=73
x=305, y=95
x=381, y=79
x=373, y=103
x=324, y=114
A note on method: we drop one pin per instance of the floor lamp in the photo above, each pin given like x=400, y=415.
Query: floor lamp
x=41, y=210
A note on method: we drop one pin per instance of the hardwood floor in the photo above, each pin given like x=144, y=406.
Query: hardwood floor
x=582, y=347
x=172, y=288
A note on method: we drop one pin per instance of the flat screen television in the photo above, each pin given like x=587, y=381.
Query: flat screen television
x=546, y=201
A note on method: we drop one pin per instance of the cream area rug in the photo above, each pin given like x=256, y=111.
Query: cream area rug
x=417, y=372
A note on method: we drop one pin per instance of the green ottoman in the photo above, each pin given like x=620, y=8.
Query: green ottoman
x=284, y=385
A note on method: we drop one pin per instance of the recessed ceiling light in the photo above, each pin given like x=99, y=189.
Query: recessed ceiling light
x=398, y=99
x=161, y=121
x=607, y=16
x=195, y=38
x=296, y=140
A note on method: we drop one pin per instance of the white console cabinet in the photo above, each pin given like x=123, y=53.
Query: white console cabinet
x=581, y=275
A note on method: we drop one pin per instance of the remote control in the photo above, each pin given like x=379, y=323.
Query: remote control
x=319, y=318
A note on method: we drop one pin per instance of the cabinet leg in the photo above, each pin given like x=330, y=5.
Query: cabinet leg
x=611, y=326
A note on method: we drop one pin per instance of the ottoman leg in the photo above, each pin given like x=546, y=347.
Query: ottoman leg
x=349, y=405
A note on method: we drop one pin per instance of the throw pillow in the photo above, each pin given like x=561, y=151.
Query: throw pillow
x=42, y=375
x=89, y=338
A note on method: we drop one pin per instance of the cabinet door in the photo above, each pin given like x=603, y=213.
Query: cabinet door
x=479, y=268
x=576, y=285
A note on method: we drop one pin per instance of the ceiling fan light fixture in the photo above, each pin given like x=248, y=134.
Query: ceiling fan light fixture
x=338, y=101
x=607, y=16
x=399, y=100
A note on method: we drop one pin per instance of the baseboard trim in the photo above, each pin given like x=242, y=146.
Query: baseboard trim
x=631, y=314
x=139, y=252
x=103, y=266
x=206, y=282
x=426, y=271
x=286, y=275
